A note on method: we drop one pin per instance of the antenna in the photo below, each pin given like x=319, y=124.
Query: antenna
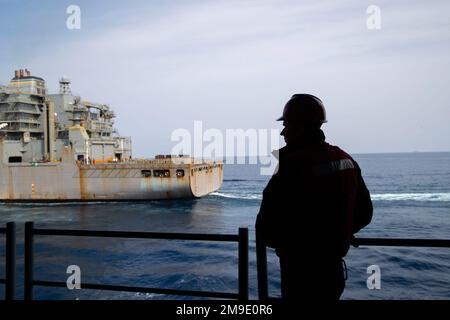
x=64, y=85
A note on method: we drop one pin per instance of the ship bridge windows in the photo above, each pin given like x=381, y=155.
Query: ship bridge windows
x=161, y=173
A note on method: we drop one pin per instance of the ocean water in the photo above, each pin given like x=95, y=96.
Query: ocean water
x=411, y=196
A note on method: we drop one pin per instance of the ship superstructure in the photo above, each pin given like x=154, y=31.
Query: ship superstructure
x=58, y=147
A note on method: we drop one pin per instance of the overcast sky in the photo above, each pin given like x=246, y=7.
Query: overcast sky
x=233, y=64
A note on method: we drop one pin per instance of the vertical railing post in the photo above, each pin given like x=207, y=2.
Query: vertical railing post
x=10, y=283
x=28, y=292
x=261, y=266
x=243, y=264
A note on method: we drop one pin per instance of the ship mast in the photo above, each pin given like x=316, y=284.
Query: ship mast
x=64, y=85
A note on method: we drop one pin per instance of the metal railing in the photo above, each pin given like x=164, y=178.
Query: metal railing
x=261, y=254
x=241, y=238
x=10, y=260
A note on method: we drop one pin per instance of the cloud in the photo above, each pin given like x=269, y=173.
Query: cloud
x=234, y=63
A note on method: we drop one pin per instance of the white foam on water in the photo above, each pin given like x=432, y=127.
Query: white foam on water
x=375, y=197
x=411, y=196
x=442, y=197
x=237, y=196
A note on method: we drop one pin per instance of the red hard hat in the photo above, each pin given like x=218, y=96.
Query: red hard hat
x=304, y=109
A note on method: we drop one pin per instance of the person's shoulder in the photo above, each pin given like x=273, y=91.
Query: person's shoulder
x=342, y=153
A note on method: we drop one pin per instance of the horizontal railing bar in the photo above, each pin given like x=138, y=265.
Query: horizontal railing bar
x=388, y=242
x=393, y=242
x=138, y=235
x=224, y=295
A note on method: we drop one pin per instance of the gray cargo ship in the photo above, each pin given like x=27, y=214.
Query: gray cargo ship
x=59, y=147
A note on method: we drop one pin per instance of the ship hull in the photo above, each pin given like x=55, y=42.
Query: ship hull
x=68, y=181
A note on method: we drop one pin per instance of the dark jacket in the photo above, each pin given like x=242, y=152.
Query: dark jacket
x=315, y=202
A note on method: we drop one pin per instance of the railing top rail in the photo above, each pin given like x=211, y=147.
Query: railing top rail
x=261, y=257
x=402, y=242
x=241, y=238
x=137, y=235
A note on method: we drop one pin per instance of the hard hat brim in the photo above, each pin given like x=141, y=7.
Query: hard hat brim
x=282, y=119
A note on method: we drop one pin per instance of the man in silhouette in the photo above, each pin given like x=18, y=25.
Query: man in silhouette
x=312, y=205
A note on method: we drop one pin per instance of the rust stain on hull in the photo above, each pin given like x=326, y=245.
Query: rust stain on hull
x=83, y=195
x=10, y=184
x=72, y=181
